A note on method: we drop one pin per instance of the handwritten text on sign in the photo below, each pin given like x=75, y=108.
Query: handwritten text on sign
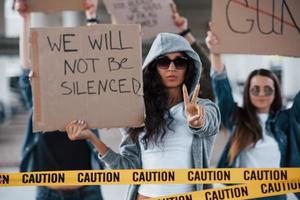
x=92, y=73
x=257, y=26
x=154, y=16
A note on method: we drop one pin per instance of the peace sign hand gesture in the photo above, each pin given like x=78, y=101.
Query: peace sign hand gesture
x=193, y=111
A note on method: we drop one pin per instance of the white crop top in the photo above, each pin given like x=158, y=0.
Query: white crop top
x=264, y=154
x=174, y=152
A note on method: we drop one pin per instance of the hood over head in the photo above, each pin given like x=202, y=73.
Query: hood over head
x=165, y=43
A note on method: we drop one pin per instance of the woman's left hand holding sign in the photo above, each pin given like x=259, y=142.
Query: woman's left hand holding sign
x=77, y=130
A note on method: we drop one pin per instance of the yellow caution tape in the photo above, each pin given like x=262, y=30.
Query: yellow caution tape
x=254, y=183
x=244, y=191
x=170, y=176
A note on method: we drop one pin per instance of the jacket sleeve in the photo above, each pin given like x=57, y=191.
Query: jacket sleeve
x=225, y=101
x=205, y=79
x=128, y=158
x=212, y=119
x=28, y=147
x=295, y=109
x=294, y=134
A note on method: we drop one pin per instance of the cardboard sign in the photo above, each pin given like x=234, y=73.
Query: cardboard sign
x=52, y=6
x=88, y=73
x=257, y=26
x=155, y=16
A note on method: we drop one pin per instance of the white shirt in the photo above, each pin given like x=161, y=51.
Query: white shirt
x=264, y=154
x=174, y=152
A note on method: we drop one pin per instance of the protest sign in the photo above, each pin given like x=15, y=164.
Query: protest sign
x=52, y=6
x=155, y=16
x=257, y=26
x=88, y=73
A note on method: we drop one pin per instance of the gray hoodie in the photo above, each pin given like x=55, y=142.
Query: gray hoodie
x=203, y=138
x=168, y=43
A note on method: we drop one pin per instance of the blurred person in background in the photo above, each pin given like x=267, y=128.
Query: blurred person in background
x=205, y=79
x=53, y=151
x=24, y=50
x=263, y=134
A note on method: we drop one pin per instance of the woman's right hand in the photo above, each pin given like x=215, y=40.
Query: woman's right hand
x=216, y=60
x=181, y=23
x=90, y=7
x=211, y=39
x=22, y=7
x=77, y=130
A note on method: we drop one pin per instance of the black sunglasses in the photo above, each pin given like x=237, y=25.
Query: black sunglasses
x=268, y=90
x=180, y=62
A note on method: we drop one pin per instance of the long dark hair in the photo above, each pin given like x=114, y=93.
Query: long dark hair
x=248, y=130
x=13, y=5
x=156, y=103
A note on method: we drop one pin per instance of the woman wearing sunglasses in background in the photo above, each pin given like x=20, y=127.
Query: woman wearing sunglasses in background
x=263, y=135
x=177, y=133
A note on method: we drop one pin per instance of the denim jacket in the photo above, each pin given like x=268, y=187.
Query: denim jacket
x=284, y=125
x=31, y=141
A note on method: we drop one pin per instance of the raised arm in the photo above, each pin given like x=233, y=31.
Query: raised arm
x=22, y=7
x=128, y=158
x=90, y=7
x=205, y=79
x=296, y=107
x=220, y=83
x=182, y=25
x=215, y=58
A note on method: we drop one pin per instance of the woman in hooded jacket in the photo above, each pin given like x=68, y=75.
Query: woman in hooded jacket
x=178, y=132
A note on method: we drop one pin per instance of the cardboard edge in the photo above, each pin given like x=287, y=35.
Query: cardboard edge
x=37, y=111
x=55, y=9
